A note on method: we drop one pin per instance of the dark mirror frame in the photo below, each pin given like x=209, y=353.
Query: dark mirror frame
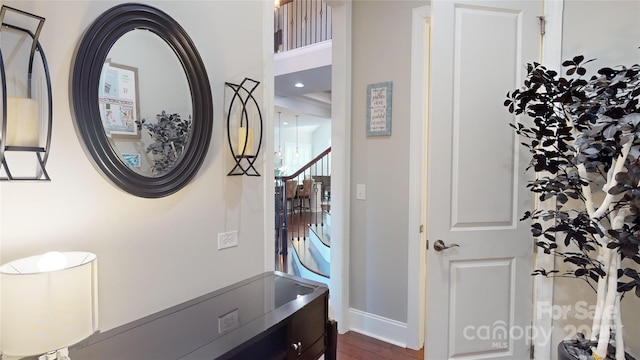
x=85, y=74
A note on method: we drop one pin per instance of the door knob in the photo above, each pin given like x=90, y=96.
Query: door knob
x=439, y=245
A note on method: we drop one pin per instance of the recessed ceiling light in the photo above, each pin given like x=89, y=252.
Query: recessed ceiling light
x=299, y=85
x=285, y=123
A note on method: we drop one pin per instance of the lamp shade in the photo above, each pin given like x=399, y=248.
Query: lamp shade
x=49, y=302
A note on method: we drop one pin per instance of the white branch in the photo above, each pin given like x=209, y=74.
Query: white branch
x=603, y=255
x=618, y=322
x=611, y=180
x=607, y=257
x=618, y=223
x=586, y=190
x=610, y=174
x=618, y=220
x=609, y=306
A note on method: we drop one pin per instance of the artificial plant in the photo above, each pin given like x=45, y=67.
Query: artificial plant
x=170, y=134
x=583, y=135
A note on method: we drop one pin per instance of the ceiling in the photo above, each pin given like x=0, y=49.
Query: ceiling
x=315, y=80
x=312, y=103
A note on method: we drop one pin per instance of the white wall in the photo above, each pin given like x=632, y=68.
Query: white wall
x=152, y=253
x=321, y=138
x=379, y=240
x=312, y=140
x=610, y=32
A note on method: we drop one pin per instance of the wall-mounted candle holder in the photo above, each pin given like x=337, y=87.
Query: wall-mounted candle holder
x=244, y=121
x=26, y=114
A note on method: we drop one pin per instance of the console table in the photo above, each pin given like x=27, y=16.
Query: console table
x=268, y=316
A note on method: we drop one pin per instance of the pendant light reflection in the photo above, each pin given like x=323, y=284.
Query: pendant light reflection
x=279, y=152
x=297, y=153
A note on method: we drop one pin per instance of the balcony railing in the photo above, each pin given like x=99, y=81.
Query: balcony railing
x=299, y=23
x=301, y=199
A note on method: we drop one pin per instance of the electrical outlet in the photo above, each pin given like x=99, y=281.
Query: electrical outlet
x=228, y=321
x=227, y=240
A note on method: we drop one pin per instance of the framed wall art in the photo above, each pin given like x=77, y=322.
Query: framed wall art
x=132, y=160
x=118, y=100
x=379, y=108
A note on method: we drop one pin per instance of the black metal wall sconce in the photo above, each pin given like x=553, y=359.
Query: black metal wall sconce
x=243, y=119
x=26, y=120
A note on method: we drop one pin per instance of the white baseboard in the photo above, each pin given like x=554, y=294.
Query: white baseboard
x=378, y=327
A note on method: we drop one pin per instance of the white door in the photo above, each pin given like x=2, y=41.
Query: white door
x=479, y=292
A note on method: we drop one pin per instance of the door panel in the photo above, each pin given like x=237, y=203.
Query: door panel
x=475, y=72
x=479, y=324
x=478, y=293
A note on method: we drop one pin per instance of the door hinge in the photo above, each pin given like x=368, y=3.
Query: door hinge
x=421, y=228
x=542, y=22
x=427, y=244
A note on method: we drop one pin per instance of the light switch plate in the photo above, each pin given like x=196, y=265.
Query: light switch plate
x=360, y=192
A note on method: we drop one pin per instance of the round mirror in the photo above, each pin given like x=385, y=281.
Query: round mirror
x=141, y=100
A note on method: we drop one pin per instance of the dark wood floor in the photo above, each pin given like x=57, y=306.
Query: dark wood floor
x=355, y=346
x=298, y=222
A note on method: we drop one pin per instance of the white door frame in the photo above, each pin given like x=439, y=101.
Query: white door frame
x=340, y=149
x=268, y=96
x=543, y=288
x=340, y=160
x=416, y=302
x=551, y=49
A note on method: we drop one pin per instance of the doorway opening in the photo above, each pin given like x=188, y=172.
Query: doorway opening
x=302, y=138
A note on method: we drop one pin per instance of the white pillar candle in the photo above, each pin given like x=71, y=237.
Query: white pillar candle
x=242, y=137
x=22, y=122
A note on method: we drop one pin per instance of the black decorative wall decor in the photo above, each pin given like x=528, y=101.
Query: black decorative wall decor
x=243, y=118
x=26, y=100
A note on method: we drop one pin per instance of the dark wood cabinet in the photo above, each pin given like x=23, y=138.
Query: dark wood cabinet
x=304, y=339
x=269, y=316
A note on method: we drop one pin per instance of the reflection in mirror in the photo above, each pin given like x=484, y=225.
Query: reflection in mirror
x=145, y=103
x=165, y=73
